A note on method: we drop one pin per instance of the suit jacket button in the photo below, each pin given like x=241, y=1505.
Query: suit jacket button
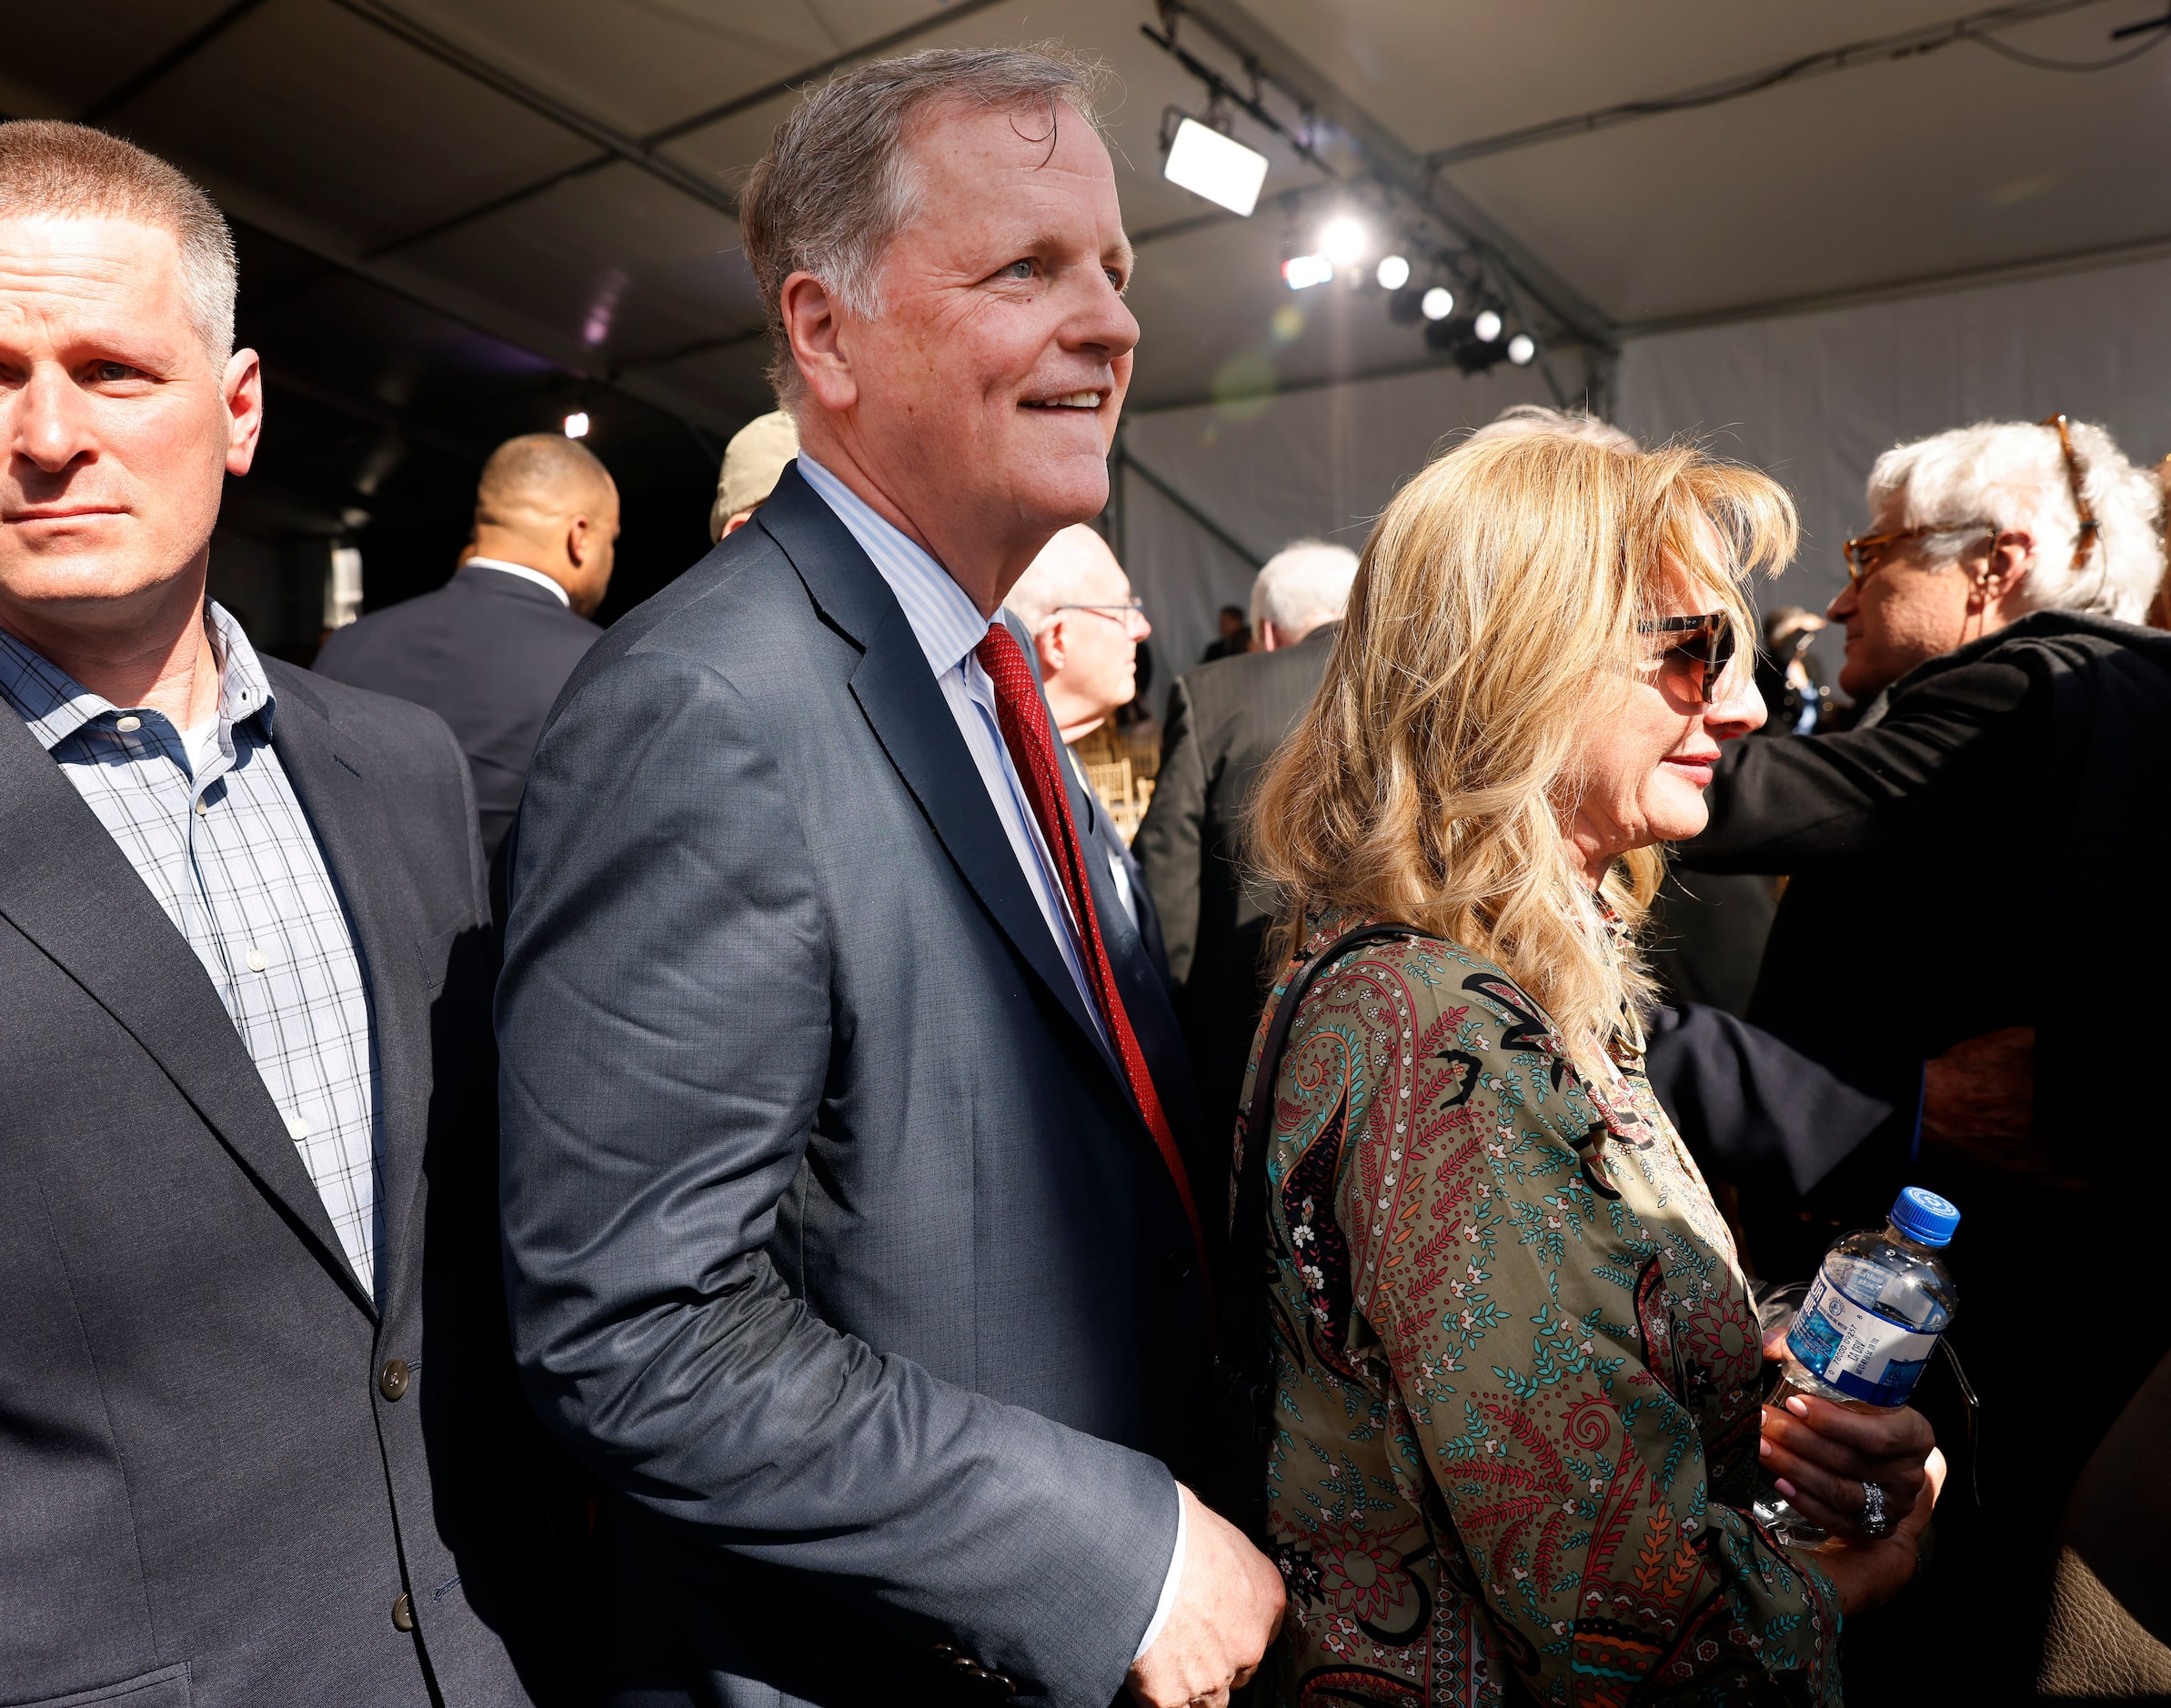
x=392, y=1383
x=403, y=1613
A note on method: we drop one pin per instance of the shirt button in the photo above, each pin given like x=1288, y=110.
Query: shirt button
x=129, y=725
x=202, y=807
x=297, y=1127
x=256, y=961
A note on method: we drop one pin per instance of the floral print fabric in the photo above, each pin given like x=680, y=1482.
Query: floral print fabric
x=1518, y=1370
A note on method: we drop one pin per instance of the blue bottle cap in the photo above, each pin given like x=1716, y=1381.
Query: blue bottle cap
x=1925, y=1217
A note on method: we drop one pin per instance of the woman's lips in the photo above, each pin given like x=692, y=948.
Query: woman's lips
x=1697, y=771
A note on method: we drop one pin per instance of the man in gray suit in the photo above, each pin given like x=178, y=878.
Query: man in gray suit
x=851, y=1226
x=1225, y=720
x=260, y=1437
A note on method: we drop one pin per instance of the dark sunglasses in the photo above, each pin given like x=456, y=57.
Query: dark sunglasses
x=1705, y=643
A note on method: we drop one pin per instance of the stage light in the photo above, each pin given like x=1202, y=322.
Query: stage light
x=1438, y=303
x=1304, y=271
x=1393, y=272
x=1487, y=326
x=1218, y=167
x=577, y=425
x=1522, y=349
x=1343, y=241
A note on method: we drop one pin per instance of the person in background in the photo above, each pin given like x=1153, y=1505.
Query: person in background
x=1978, y=860
x=851, y=1230
x=247, y=1125
x=1224, y=720
x=1532, y=685
x=753, y=461
x=1235, y=638
x=1076, y=603
x=1788, y=675
x=489, y=650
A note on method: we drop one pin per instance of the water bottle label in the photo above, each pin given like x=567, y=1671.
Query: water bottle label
x=1864, y=1355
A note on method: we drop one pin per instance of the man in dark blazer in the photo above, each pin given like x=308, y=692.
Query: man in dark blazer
x=851, y=1233
x=260, y=1439
x=1225, y=720
x=488, y=651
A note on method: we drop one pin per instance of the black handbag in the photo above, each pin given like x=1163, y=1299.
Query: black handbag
x=1241, y=1400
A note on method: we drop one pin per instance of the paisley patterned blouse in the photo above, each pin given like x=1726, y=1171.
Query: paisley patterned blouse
x=1518, y=1370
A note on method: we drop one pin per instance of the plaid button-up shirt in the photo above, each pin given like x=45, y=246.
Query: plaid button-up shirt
x=225, y=848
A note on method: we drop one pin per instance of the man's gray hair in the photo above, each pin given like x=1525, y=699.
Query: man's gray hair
x=2011, y=475
x=1303, y=584
x=73, y=172
x=1529, y=420
x=837, y=184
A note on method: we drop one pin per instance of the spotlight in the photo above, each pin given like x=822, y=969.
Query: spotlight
x=1438, y=303
x=1304, y=271
x=1393, y=272
x=1458, y=338
x=1343, y=241
x=577, y=425
x=1487, y=326
x=1522, y=349
x=1218, y=167
x=1405, y=307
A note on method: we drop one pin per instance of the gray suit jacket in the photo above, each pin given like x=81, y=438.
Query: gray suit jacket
x=1225, y=720
x=836, y=1242
x=207, y=1496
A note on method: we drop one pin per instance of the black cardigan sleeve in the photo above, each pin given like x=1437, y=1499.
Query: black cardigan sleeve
x=1791, y=803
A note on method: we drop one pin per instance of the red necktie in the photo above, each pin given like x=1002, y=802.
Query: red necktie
x=1032, y=751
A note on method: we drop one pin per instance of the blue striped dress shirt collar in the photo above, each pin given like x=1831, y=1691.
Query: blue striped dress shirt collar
x=947, y=624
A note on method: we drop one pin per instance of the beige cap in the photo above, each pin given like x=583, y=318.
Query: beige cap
x=752, y=462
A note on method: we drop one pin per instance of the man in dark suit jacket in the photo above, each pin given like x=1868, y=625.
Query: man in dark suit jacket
x=488, y=651
x=850, y=1235
x=260, y=1438
x=1225, y=720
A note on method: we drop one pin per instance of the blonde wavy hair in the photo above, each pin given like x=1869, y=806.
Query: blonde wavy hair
x=1434, y=775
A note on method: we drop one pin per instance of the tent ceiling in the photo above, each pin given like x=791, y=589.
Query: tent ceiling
x=560, y=172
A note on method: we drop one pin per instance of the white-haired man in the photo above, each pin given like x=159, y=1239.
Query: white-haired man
x=260, y=1435
x=1224, y=720
x=1086, y=624
x=1972, y=934
x=851, y=1227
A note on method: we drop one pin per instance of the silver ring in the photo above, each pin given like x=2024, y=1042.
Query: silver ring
x=1873, y=1520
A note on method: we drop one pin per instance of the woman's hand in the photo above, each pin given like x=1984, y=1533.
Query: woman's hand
x=1822, y=1456
x=1869, y=1573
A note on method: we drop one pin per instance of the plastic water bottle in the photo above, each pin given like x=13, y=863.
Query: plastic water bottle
x=1870, y=1323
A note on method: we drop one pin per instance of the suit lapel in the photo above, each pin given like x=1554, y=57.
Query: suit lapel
x=331, y=780
x=902, y=702
x=66, y=886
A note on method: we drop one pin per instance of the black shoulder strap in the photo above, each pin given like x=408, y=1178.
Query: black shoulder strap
x=1244, y=1356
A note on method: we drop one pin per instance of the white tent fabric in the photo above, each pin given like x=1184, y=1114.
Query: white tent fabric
x=1812, y=399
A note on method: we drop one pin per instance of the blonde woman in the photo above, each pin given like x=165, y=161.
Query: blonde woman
x=1517, y=1371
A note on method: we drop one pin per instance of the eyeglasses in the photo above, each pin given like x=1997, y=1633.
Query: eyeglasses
x=2084, y=539
x=1867, y=553
x=1706, y=644
x=1130, y=613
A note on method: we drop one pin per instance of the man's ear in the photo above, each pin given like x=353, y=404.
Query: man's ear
x=1049, y=643
x=813, y=329
x=579, y=542
x=242, y=386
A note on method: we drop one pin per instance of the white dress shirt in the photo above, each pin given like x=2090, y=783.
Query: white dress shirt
x=949, y=625
x=525, y=573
